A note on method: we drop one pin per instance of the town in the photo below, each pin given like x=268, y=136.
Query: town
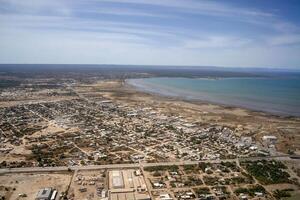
x=73, y=140
x=149, y=100
x=85, y=129
x=207, y=180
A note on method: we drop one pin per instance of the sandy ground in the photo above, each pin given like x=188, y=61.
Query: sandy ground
x=20, y=152
x=280, y=187
x=30, y=184
x=37, y=99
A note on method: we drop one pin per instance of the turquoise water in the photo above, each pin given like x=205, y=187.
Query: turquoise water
x=274, y=95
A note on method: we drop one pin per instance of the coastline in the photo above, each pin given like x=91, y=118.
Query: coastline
x=245, y=122
x=185, y=96
x=199, y=102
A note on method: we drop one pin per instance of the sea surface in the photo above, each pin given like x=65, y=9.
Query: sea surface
x=276, y=95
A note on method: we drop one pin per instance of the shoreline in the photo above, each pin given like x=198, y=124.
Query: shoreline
x=199, y=101
x=245, y=122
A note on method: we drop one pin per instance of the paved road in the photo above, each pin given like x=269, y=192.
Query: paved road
x=132, y=165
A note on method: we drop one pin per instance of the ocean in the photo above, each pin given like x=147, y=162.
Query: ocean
x=275, y=95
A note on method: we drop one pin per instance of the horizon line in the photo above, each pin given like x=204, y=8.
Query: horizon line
x=164, y=65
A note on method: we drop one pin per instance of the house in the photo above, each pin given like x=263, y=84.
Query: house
x=137, y=172
x=44, y=194
x=165, y=197
x=269, y=139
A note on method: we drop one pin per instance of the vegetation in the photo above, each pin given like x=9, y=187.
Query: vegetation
x=268, y=172
x=201, y=191
x=204, y=165
x=156, y=173
x=193, y=181
x=244, y=179
x=172, y=168
x=238, y=180
x=210, y=180
x=42, y=157
x=251, y=190
x=14, y=164
x=190, y=168
x=172, y=184
x=230, y=165
x=248, y=177
x=278, y=194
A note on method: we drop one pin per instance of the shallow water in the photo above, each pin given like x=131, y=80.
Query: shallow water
x=274, y=95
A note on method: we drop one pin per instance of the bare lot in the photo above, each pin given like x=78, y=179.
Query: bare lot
x=13, y=185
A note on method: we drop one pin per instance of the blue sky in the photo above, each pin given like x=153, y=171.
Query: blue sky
x=235, y=33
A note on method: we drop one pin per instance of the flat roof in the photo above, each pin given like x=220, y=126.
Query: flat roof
x=114, y=196
x=117, y=179
x=141, y=196
x=44, y=193
x=122, y=190
x=130, y=196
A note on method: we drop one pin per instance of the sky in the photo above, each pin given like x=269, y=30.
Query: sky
x=229, y=33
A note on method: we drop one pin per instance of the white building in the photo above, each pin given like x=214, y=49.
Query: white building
x=269, y=139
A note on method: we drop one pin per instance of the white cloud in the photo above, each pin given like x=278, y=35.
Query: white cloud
x=133, y=32
x=128, y=12
x=208, y=7
x=216, y=42
x=38, y=6
x=286, y=39
x=60, y=31
x=285, y=26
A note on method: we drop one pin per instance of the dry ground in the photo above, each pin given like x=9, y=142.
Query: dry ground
x=30, y=184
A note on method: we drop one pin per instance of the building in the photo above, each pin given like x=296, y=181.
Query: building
x=44, y=194
x=137, y=157
x=165, y=197
x=246, y=140
x=127, y=185
x=269, y=139
x=117, y=179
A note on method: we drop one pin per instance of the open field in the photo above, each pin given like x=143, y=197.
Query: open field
x=12, y=186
